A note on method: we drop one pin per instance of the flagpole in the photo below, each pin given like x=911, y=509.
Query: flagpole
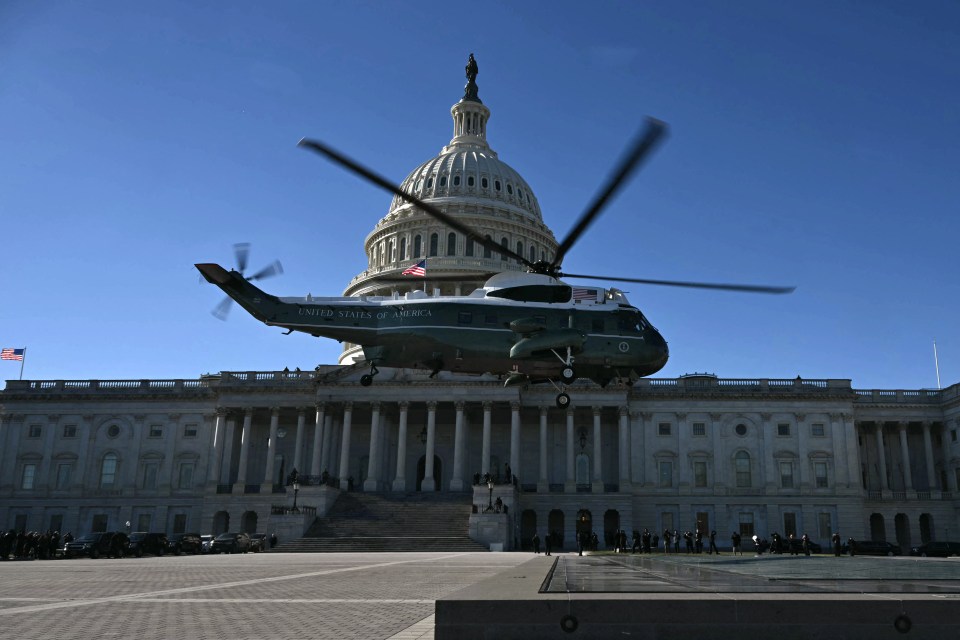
x=23, y=361
x=936, y=363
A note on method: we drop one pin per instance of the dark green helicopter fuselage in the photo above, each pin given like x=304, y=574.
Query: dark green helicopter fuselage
x=490, y=330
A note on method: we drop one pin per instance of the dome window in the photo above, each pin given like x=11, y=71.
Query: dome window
x=443, y=181
x=451, y=244
x=484, y=183
x=456, y=181
x=496, y=185
x=429, y=183
x=510, y=188
x=520, y=193
x=469, y=181
x=417, y=246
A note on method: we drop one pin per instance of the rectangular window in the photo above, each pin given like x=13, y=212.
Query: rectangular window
x=953, y=435
x=35, y=431
x=190, y=431
x=156, y=431
x=465, y=317
x=180, y=523
x=820, y=471
x=703, y=522
x=783, y=429
x=699, y=429
x=186, y=475
x=143, y=522
x=150, y=470
x=666, y=519
x=56, y=522
x=69, y=431
x=746, y=525
x=786, y=475
x=824, y=526
x=63, y=475
x=490, y=318
x=99, y=523
x=789, y=524
x=663, y=429
x=666, y=474
x=699, y=473
x=28, y=475
x=817, y=430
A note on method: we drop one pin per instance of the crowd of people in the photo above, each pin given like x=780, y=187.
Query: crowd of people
x=31, y=545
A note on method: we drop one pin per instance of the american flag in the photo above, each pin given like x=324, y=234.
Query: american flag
x=419, y=269
x=584, y=294
x=11, y=354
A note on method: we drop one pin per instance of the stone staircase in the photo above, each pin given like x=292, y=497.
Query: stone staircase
x=390, y=522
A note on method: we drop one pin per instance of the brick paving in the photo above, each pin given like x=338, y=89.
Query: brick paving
x=337, y=596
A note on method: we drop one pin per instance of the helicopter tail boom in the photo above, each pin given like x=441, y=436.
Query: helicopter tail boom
x=254, y=300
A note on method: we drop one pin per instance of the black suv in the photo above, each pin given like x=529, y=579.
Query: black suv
x=872, y=548
x=184, y=543
x=937, y=549
x=113, y=544
x=142, y=542
x=231, y=543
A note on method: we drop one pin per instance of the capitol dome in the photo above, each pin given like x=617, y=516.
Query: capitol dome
x=466, y=181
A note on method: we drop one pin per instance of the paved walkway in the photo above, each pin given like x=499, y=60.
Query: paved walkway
x=337, y=596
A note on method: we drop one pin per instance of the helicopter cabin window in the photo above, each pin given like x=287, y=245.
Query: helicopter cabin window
x=484, y=183
x=496, y=185
x=490, y=318
x=451, y=244
x=434, y=243
x=456, y=181
x=416, y=246
x=487, y=253
x=403, y=248
x=519, y=249
x=443, y=181
x=468, y=247
x=465, y=317
x=470, y=181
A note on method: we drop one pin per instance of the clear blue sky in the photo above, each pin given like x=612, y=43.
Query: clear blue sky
x=811, y=144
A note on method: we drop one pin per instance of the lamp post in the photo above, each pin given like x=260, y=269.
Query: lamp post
x=490, y=501
x=296, y=490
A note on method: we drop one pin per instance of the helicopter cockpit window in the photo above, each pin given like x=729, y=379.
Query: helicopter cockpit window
x=465, y=317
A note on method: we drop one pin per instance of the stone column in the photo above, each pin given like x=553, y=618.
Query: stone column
x=167, y=475
x=768, y=469
x=624, y=449
x=316, y=468
x=344, y=468
x=373, y=458
x=216, y=447
x=951, y=472
x=570, y=486
x=597, y=452
x=638, y=453
x=485, y=454
x=268, y=476
x=43, y=481
x=400, y=481
x=543, y=482
x=328, y=457
x=459, y=442
x=905, y=457
x=803, y=448
x=298, y=445
x=878, y=432
x=928, y=458
x=719, y=480
x=839, y=443
x=515, y=439
x=245, y=448
x=429, y=483
x=227, y=460
x=853, y=450
x=683, y=466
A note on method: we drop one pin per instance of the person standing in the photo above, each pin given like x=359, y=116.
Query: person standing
x=548, y=539
x=536, y=543
x=713, y=543
x=805, y=543
x=735, y=539
x=836, y=544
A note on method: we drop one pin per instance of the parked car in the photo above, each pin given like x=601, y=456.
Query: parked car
x=937, y=549
x=185, y=543
x=872, y=548
x=789, y=546
x=206, y=542
x=231, y=543
x=112, y=544
x=142, y=542
x=258, y=542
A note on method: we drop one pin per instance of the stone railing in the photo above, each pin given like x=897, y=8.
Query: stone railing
x=741, y=385
x=900, y=396
x=116, y=386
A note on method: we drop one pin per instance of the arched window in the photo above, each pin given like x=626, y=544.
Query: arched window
x=519, y=249
x=496, y=185
x=741, y=462
x=434, y=244
x=533, y=253
x=451, y=244
x=469, y=181
x=506, y=245
x=416, y=247
x=510, y=188
x=443, y=181
x=429, y=183
x=456, y=181
x=393, y=251
x=403, y=248
x=108, y=470
x=486, y=250
x=467, y=247
x=484, y=183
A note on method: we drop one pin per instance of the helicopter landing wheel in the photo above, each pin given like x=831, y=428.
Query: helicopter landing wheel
x=366, y=380
x=563, y=401
x=568, y=375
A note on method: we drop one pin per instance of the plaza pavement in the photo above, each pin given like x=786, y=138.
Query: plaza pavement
x=234, y=597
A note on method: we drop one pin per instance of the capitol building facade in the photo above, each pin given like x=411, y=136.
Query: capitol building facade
x=696, y=452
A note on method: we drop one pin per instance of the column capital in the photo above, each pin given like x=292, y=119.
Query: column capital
x=173, y=417
x=301, y=412
x=137, y=419
x=432, y=405
x=646, y=415
x=902, y=425
x=801, y=417
x=487, y=405
x=222, y=411
x=275, y=411
x=53, y=418
x=320, y=406
x=681, y=416
x=716, y=417
x=348, y=406
x=459, y=405
x=248, y=411
x=596, y=410
x=765, y=417
x=543, y=411
x=836, y=416
x=514, y=405
x=570, y=412
x=404, y=405
x=375, y=405
x=926, y=424
x=623, y=410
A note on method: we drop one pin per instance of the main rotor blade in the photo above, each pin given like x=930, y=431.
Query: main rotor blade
x=273, y=269
x=641, y=147
x=750, y=288
x=429, y=209
x=222, y=310
x=241, y=251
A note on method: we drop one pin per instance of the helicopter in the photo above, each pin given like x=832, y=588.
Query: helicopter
x=527, y=326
